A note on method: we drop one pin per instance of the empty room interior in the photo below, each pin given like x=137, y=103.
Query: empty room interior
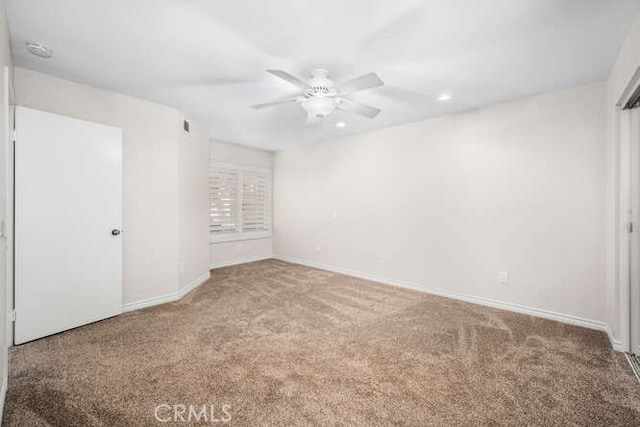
x=409, y=212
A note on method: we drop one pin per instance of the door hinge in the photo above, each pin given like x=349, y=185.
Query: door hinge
x=630, y=228
x=12, y=316
x=13, y=135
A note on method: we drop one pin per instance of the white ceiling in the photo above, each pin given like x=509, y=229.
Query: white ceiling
x=208, y=58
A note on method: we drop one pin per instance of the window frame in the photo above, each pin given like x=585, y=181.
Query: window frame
x=240, y=234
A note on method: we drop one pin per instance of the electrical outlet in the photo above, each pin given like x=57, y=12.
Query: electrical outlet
x=317, y=248
x=334, y=214
x=503, y=277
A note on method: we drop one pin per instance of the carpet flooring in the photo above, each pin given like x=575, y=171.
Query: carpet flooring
x=283, y=344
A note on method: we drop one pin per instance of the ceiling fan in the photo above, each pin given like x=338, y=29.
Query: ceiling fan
x=320, y=96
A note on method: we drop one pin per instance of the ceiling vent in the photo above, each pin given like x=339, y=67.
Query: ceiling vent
x=38, y=49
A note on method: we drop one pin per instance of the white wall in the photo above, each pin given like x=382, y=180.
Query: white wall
x=622, y=73
x=151, y=174
x=222, y=152
x=194, y=205
x=5, y=60
x=229, y=253
x=448, y=203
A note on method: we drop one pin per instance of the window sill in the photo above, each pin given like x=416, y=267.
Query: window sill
x=223, y=238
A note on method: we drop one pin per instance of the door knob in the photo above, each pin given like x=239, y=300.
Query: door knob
x=115, y=232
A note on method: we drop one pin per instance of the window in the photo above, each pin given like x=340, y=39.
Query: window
x=223, y=199
x=255, y=202
x=239, y=202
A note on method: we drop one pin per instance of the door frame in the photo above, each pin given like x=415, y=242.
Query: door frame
x=630, y=138
x=8, y=103
x=624, y=217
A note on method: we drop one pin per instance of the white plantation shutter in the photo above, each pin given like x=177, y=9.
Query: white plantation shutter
x=223, y=199
x=255, y=201
x=239, y=202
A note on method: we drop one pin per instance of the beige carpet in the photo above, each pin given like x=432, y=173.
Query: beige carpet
x=284, y=344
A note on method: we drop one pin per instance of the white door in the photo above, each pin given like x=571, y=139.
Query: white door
x=68, y=203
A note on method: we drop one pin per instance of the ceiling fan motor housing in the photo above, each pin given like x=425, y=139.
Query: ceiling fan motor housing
x=320, y=83
x=319, y=102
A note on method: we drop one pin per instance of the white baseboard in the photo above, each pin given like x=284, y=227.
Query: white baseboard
x=3, y=391
x=191, y=286
x=163, y=299
x=240, y=261
x=149, y=302
x=517, y=308
x=615, y=343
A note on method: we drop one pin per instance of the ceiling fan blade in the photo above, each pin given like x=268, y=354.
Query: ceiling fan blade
x=288, y=77
x=313, y=120
x=368, y=81
x=352, y=106
x=271, y=104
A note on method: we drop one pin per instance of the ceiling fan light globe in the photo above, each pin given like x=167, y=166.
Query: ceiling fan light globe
x=320, y=106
